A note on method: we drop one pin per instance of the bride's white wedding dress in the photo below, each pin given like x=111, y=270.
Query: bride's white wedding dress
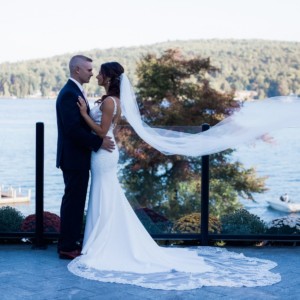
x=117, y=248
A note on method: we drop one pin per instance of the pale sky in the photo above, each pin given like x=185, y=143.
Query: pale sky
x=44, y=28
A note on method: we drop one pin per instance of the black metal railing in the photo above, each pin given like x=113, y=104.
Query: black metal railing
x=204, y=195
x=39, y=184
x=203, y=238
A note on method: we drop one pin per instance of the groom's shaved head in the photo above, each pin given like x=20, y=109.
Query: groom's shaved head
x=76, y=61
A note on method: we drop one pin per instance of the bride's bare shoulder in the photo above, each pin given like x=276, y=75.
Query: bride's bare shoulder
x=110, y=103
x=112, y=100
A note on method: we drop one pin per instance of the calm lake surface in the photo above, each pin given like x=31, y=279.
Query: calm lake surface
x=280, y=162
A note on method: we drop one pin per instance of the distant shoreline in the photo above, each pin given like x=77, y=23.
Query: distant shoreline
x=41, y=98
x=26, y=98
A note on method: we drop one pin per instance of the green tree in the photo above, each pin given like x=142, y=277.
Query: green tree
x=174, y=91
x=253, y=64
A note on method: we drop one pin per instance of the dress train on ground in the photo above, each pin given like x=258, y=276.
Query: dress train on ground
x=118, y=249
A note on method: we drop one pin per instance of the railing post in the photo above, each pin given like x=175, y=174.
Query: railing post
x=204, y=195
x=39, y=187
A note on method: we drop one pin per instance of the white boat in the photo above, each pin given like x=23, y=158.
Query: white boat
x=289, y=207
x=13, y=195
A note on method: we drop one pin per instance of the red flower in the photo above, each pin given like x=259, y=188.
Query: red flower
x=51, y=223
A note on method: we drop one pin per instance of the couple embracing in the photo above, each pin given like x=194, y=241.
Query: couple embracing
x=116, y=247
x=75, y=145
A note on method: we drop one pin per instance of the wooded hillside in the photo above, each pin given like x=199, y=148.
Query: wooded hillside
x=268, y=68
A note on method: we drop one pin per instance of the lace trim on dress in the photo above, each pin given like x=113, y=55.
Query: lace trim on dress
x=230, y=269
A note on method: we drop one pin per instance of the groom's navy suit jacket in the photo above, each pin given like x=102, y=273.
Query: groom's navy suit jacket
x=75, y=140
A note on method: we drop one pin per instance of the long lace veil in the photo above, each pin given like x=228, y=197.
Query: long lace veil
x=246, y=125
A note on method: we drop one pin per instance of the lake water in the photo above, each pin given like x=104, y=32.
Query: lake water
x=281, y=162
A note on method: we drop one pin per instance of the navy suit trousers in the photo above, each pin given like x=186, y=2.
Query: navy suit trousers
x=72, y=208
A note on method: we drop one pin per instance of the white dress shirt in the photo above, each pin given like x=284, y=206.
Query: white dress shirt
x=81, y=89
x=78, y=84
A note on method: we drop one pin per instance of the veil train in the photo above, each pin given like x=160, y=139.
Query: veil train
x=117, y=247
x=251, y=122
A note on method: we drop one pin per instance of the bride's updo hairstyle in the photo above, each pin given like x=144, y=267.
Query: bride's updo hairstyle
x=113, y=71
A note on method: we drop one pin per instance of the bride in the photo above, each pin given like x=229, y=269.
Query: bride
x=117, y=248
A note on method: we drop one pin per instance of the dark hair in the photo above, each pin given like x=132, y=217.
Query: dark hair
x=112, y=70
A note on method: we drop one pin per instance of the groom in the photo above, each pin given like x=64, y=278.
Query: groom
x=74, y=145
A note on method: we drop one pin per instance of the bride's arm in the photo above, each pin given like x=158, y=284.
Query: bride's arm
x=107, y=116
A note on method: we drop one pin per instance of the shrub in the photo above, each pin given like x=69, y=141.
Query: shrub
x=285, y=225
x=242, y=222
x=51, y=223
x=191, y=224
x=10, y=219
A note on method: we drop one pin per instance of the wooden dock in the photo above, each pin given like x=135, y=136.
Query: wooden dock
x=13, y=195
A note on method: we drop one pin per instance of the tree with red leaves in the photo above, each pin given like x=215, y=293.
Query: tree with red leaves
x=173, y=92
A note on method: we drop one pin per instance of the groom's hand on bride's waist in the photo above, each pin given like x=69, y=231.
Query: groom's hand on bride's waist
x=108, y=144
